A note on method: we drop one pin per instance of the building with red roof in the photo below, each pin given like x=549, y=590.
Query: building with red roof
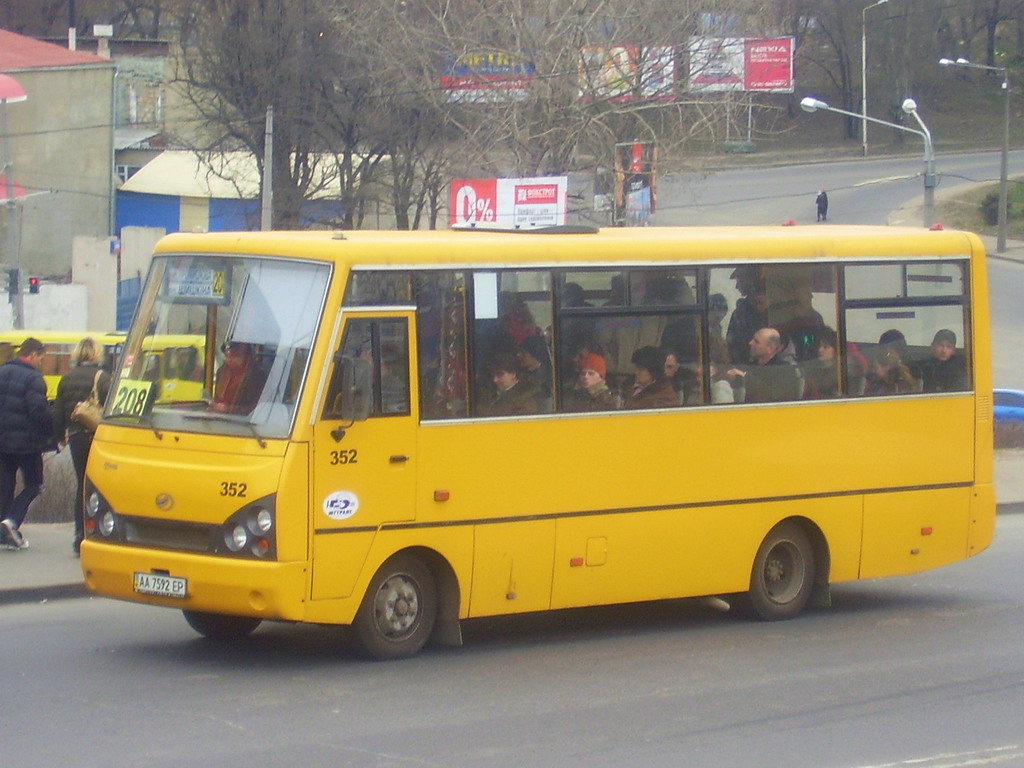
x=60, y=144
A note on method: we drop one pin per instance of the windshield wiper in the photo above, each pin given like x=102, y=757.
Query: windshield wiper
x=208, y=416
x=146, y=420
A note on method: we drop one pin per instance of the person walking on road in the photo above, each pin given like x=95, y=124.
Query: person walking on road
x=821, y=203
x=26, y=431
x=75, y=386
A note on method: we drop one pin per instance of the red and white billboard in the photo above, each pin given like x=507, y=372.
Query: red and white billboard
x=760, y=65
x=510, y=203
x=768, y=65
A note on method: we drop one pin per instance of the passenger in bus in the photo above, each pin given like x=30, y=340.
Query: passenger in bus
x=718, y=308
x=519, y=333
x=772, y=377
x=750, y=313
x=894, y=340
x=684, y=379
x=651, y=387
x=509, y=394
x=239, y=380
x=887, y=374
x=820, y=374
x=591, y=392
x=945, y=370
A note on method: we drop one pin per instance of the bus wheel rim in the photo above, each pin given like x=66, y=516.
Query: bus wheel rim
x=784, y=572
x=397, y=607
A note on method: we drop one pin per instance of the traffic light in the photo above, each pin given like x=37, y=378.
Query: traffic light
x=12, y=282
x=33, y=285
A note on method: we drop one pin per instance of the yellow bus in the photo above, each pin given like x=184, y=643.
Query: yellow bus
x=59, y=347
x=356, y=458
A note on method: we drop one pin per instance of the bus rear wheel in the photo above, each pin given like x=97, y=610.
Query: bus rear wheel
x=782, y=576
x=398, y=611
x=218, y=626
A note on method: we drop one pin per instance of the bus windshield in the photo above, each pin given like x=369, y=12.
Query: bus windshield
x=220, y=346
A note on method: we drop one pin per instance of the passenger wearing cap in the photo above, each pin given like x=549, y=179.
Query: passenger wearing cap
x=591, y=392
x=651, y=388
x=945, y=371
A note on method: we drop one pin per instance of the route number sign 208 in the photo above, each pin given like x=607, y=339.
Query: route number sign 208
x=131, y=398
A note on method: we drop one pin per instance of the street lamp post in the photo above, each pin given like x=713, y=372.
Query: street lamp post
x=1004, y=161
x=864, y=74
x=811, y=104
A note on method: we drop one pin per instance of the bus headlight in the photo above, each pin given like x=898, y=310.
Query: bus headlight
x=236, y=538
x=251, y=531
x=106, y=525
x=262, y=522
x=92, y=504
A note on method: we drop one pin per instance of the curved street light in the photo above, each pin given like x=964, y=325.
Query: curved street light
x=864, y=73
x=811, y=104
x=1004, y=160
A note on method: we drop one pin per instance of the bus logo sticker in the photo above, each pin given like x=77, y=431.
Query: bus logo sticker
x=341, y=505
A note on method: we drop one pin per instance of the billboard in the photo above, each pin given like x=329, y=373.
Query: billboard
x=627, y=73
x=538, y=201
x=487, y=76
x=750, y=64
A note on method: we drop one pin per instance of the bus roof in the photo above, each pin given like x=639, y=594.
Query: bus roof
x=502, y=248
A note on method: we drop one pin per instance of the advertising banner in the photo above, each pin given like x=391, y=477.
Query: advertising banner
x=627, y=73
x=487, y=76
x=509, y=203
x=759, y=65
x=716, y=64
x=635, y=183
x=768, y=65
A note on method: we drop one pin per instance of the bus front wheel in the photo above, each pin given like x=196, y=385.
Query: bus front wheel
x=218, y=626
x=398, y=611
x=782, y=576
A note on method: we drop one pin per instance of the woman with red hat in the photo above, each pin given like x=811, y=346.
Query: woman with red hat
x=591, y=392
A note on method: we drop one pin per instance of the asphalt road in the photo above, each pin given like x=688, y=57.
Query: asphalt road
x=897, y=672
x=863, y=191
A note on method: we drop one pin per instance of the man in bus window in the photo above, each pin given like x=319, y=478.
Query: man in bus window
x=945, y=370
x=510, y=395
x=771, y=378
x=239, y=380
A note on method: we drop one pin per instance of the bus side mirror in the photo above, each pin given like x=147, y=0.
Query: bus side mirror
x=356, y=387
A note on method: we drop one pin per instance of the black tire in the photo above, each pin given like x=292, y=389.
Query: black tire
x=218, y=626
x=782, y=576
x=398, y=610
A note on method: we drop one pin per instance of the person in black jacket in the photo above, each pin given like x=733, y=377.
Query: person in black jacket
x=25, y=432
x=76, y=385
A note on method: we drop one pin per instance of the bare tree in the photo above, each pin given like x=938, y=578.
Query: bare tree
x=241, y=57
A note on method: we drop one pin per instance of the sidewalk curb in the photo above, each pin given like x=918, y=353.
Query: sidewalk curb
x=42, y=594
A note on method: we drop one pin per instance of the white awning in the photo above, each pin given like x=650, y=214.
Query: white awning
x=228, y=175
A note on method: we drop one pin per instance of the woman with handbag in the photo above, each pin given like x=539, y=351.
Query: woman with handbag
x=80, y=396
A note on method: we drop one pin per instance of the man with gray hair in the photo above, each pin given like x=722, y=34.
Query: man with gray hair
x=771, y=378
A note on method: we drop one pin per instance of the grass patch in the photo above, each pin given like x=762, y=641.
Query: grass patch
x=967, y=211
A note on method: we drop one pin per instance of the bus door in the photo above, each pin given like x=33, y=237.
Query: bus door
x=364, y=443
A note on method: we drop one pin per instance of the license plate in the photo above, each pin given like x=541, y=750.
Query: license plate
x=162, y=586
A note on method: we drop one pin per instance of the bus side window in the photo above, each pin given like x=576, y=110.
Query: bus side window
x=897, y=314
x=384, y=344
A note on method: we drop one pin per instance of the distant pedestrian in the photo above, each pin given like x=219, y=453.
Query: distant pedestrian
x=821, y=203
x=75, y=386
x=26, y=430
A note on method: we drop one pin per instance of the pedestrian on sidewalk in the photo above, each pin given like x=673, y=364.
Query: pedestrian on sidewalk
x=26, y=431
x=75, y=386
x=821, y=203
